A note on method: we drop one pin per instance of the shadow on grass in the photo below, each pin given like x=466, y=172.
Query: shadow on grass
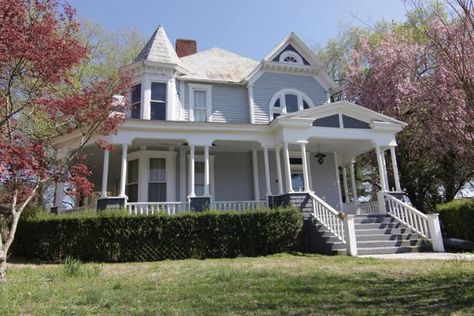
x=364, y=293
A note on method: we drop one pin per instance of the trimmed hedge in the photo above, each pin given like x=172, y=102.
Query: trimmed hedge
x=121, y=237
x=457, y=219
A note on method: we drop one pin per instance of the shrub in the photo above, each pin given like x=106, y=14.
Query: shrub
x=457, y=218
x=120, y=237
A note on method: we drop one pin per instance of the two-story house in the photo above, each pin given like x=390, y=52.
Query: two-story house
x=219, y=130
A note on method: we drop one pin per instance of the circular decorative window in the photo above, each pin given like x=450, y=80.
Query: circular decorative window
x=291, y=57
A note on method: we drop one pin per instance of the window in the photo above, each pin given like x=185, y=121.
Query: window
x=297, y=179
x=200, y=102
x=290, y=57
x=158, y=101
x=135, y=101
x=200, y=109
x=288, y=101
x=157, y=180
x=132, y=180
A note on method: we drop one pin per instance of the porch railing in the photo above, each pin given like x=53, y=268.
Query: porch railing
x=408, y=215
x=425, y=225
x=150, y=208
x=328, y=217
x=368, y=208
x=237, y=205
x=341, y=226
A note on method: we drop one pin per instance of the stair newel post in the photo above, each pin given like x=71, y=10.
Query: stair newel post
x=435, y=232
x=349, y=235
x=381, y=201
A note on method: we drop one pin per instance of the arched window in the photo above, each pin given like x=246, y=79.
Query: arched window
x=290, y=57
x=288, y=101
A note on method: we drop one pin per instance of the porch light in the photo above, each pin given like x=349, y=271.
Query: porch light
x=320, y=157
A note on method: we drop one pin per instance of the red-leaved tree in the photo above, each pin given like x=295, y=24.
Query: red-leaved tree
x=39, y=53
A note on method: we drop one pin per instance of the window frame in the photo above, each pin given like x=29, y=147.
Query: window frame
x=139, y=102
x=137, y=182
x=150, y=181
x=208, y=90
x=161, y=102
x=280, y=95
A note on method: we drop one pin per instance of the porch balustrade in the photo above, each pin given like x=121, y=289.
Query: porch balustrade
x=237, y=205
x=150, y=208
x=367, y=208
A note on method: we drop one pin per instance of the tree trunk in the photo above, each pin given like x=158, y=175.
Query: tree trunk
x=3, y=269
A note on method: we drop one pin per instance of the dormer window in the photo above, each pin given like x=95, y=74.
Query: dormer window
x=290, y=57
x=288, y=101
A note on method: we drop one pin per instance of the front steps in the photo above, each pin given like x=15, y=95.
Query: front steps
x=375, y=234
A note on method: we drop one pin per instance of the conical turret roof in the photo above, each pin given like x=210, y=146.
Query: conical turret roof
x=158, y=49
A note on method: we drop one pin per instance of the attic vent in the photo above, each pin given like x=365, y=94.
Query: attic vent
x=290, y=57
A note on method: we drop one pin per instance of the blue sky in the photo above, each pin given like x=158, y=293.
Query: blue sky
x=249, y=28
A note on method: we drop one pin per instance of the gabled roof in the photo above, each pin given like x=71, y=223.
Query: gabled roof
x=343, y=107
x=217, y=64
x=158, y=49
x=296, y=43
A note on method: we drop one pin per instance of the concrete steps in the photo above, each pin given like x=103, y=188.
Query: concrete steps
x=375, y=234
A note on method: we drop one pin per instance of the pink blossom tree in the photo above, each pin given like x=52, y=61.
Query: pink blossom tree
x=39, y=51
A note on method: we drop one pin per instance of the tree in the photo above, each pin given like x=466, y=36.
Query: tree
x=402, y=75
x=40, y=51
x=419, y=71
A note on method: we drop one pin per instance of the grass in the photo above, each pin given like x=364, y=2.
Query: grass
x=280, y=284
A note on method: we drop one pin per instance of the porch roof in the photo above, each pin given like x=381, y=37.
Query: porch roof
x=346, y=108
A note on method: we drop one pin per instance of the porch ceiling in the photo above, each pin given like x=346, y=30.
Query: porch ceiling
x=346, y=150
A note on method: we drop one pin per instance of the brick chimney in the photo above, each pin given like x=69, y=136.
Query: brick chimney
x=185, y=47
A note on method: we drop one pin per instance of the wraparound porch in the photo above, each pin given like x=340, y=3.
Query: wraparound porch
x=153, y=175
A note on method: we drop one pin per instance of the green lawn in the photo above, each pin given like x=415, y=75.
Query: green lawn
x=281, y=284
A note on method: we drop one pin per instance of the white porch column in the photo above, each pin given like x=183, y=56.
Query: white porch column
x=396, y=176
x=278, y=165
x=384, y=162
x=338, y=182
x=256, y=188
x=381, y=166
x=353, y=182
x=59, y=195
x=304, y=161
x=182, y=175
x=206, y=171
x=105, y=174
x=123, y=171
x=191, y=171
x=286, y=157
x=344, y=183
x=267, y=172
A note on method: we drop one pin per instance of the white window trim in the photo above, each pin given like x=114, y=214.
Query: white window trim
x=281, y=95
x=200, y=87
x=167, y=101
x=289, y=53
x=144, y=156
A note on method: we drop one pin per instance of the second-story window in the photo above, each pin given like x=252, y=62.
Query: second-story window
x=200, y=102
x=200, y=109
x=288, y=101
x=135, y=101
x=158, y=101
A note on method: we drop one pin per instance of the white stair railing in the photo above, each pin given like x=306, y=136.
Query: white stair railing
x=424, y=225
x=341, y=226
x=328, y=217
x=150, y=208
